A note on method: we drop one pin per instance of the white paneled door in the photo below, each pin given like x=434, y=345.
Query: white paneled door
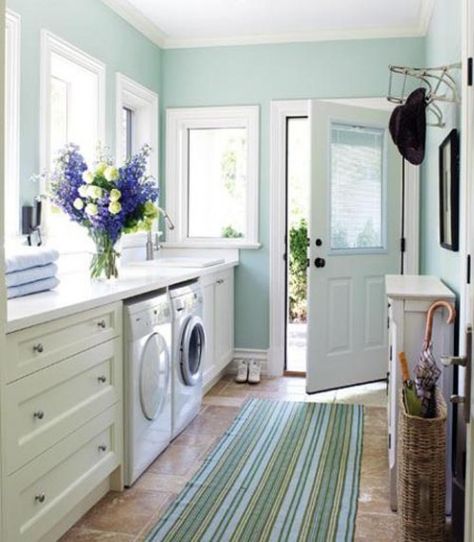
x=354, y=239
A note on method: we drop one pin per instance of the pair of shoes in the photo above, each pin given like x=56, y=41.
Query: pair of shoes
x=248, y=371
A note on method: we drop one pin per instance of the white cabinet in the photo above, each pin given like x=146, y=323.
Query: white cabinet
x=409, y=298
x=61, y=420
x=218, y=315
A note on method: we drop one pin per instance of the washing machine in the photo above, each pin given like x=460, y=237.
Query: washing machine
x=147, y=381
x=188, y=338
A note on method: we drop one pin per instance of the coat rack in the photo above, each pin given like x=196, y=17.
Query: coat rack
x=440, y=86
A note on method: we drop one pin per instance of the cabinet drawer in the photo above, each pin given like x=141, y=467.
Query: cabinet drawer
x=38, y=347
x=41, y=493
x=46, y=406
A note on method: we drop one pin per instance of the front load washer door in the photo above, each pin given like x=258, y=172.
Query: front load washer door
x=193, y=342
x=154, y=376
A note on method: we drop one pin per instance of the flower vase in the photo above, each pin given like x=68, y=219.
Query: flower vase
x=104, y=261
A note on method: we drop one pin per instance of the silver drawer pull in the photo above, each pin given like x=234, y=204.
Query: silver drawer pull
x=102, y=448
x=38, y=348
x=102, y=379
x=102, y=324
x=220, y=281
x=39, y=415
x=41, y=497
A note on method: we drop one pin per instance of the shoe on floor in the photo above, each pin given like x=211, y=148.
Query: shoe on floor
x=242, y=371
x=254, y=372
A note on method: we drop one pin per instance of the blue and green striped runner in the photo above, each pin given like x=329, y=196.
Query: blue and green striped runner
x=282, y=472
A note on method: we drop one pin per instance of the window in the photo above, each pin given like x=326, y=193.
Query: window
x=212, y=176
x=12, y=121
x=137, y=120
x=73, y=111
x=357, y=188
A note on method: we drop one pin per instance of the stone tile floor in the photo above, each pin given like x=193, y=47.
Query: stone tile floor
x=127, y=517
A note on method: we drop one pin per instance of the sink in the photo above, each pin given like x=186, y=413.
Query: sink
x=182, y=261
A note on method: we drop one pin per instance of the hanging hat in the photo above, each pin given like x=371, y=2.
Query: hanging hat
x=408, y=127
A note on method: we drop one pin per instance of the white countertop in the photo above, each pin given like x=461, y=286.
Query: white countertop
x=416, y=286
x=77, y=292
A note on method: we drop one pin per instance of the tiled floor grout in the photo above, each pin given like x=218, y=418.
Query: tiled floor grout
x=127, y=517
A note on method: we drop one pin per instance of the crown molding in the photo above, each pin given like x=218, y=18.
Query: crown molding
x=133, y=16
x=136, y=18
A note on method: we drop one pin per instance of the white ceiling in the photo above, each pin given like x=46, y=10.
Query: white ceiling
x=194, y=23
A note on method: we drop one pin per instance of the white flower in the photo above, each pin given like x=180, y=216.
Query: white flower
x=94, y=192
x=115, y=194
x=111, y=173
x=88, y=177
x=101, y=167
x=91, y=209
x=115, y=207
x=83, y=189
x=78, y=204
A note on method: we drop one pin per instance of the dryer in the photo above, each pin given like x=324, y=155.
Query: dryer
x=189, y=341
x=147, y=382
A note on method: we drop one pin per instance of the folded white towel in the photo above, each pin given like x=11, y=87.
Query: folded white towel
x=27, y=257
x=32, y=287
x=18, y=278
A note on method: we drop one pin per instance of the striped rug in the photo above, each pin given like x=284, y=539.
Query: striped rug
x=283, y=471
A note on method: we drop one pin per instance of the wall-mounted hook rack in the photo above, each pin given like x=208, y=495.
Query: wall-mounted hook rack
x=439, y=83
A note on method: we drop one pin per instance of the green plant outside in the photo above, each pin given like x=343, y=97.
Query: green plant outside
x=298, y=279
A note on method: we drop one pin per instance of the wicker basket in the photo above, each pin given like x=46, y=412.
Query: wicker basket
x=422, y=475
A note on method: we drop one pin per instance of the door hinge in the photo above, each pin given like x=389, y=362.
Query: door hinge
x=468, y=269
x=469, y=71
x=391, y=353
x=403, y=244
x=307, y=262
x=390, y=441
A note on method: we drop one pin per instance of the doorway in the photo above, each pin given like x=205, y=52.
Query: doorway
x=297, y=220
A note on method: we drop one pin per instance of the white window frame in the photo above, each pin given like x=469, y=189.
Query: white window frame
x=50, y=43
x=178, y=122
x=12, y=124
x=145, y=105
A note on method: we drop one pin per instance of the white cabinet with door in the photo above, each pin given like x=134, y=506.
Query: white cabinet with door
x=218, y=315
x=409, y=298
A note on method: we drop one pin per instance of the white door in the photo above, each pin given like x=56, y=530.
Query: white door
x=354, y=240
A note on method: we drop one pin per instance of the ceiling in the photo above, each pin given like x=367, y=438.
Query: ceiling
x=198, y=23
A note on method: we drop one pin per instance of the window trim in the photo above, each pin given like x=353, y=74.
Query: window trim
x=50, y=43
x=12, y=123
x=178, y=122
x=133, y=95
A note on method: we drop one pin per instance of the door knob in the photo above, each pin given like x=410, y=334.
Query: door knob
x=320, y=262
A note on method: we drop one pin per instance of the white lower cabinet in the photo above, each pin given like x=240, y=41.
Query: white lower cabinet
x=218, y=315
x=62, y=433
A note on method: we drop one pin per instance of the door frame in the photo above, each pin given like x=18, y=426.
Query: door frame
x=280, y=111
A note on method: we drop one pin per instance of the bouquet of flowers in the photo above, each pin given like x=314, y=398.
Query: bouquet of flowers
x=106, y=200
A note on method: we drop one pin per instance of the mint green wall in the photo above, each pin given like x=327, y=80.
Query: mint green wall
x=257, y=75
x=443, y=46
x=97, y=30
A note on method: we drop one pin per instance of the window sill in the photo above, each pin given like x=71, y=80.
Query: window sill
x=243, y=245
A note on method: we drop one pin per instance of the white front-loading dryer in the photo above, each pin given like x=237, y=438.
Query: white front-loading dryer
x=189, y=340
x=147, y=382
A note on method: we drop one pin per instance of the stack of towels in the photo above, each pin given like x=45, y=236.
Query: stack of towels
x=30, y=270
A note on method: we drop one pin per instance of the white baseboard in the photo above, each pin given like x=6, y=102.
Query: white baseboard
x=247, y=353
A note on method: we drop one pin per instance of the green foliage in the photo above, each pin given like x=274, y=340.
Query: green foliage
x=231, y=233
x=298, y=281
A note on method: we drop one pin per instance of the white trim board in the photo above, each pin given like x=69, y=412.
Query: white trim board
x=152, y=31
x=280, y=111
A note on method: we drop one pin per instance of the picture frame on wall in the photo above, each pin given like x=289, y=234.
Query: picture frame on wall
x=449, y=191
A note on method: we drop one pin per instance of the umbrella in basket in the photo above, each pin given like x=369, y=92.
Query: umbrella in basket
x=427, y=371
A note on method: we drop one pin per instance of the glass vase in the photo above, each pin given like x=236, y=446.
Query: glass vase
x=104, y=261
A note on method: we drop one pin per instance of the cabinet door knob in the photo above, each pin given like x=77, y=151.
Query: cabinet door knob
x=102, y=379
x=102, y=448
x=39, y=415
x=38, y=348
x=102, y=324
x=41, y=497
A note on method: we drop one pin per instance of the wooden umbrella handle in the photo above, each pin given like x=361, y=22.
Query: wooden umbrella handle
x=430, y=316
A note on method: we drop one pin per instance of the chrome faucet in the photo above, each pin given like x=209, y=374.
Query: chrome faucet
x=150, y=247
